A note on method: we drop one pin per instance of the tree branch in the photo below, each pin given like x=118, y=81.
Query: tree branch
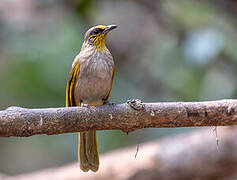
x=127, y=117
x=187, y=156
x=3, y=176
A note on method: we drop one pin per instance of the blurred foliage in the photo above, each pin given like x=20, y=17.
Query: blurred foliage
x=164, y=51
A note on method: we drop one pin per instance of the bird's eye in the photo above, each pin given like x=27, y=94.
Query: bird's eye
x=97, y=31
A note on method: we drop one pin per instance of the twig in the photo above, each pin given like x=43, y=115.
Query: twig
x=137, y=151
x=217, y=139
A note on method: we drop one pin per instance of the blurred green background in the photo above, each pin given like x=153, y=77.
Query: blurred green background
x=164, y=51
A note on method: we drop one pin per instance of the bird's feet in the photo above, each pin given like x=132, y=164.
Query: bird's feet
x=84, y=105
x=107, y=102
x=136, y=104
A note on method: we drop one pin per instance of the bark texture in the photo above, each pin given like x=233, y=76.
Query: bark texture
x=189, y=156
x=16, y=121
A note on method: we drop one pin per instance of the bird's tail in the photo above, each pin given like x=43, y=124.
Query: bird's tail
x=88, y=154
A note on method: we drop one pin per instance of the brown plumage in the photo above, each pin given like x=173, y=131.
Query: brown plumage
x=90, y=82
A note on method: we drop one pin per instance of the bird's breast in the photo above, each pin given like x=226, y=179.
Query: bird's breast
x=94, y=79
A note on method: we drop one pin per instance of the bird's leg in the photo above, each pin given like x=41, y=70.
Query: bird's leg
x=107, y=102
x=84, y=105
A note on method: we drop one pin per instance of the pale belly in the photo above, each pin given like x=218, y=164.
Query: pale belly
x=93, y=84
x=92, y=90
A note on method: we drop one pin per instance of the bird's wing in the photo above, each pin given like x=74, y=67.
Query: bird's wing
x=73, y=75
x=107, y=97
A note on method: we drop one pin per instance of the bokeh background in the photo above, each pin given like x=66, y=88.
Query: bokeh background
x=182, y=50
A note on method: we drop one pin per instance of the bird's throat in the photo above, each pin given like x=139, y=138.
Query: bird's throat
x=99, y=43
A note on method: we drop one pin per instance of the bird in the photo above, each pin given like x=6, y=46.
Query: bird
x=90, y=83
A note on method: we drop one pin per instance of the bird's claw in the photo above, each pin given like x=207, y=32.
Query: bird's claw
x=84, y=105
x=136, y=104
x=108, y=103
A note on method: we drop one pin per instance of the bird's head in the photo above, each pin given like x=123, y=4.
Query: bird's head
x=96, y=35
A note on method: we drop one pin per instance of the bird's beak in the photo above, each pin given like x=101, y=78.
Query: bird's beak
x=109, y=28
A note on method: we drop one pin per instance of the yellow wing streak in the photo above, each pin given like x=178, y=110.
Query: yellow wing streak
x=70, y=85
